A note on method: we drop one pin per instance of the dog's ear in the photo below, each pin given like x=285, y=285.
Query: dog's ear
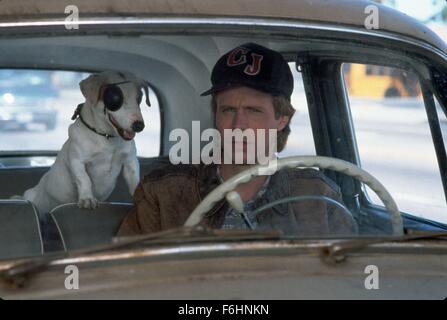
x=90, y=88
x=145, y=85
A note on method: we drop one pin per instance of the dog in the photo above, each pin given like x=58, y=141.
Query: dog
x=99, y=146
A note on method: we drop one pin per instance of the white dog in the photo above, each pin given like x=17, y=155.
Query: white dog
x=99, y=145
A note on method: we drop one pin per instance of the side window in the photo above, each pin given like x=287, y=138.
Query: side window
x=393, y=138
x=300, y=140
x=148, y=141
x=36, y=107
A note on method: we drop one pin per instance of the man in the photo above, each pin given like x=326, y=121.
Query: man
x=251, y=89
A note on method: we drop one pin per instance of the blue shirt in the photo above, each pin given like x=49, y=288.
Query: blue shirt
x=233, y=219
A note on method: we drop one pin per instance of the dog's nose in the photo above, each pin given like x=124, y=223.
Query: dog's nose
x=138, y=126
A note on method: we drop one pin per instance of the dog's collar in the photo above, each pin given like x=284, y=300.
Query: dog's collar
x=77, y=114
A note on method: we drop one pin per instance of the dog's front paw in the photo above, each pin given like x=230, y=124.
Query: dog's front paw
x=88, y=203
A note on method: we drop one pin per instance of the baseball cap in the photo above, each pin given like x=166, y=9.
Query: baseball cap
x=254, y=66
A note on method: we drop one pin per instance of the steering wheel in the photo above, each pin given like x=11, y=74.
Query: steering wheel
x=226, y=189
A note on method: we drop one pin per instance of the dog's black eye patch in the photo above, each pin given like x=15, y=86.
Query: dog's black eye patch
x=113, y=98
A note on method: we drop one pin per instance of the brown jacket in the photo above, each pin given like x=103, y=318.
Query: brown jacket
x=166, y=197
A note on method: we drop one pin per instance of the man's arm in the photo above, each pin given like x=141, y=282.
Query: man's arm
x=144, y=217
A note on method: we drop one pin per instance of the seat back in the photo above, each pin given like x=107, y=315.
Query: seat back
x=20, y=234
x=22, y=178
x=82, y=228
x=19, y=180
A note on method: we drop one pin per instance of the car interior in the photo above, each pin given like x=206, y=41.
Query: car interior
x=178, y=68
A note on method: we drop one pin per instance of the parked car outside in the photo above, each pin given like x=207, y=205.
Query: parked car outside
x=27, y=97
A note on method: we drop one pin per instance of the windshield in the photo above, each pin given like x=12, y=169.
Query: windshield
x=161, y=136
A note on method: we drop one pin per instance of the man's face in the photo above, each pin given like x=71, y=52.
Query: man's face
x=245, y=108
